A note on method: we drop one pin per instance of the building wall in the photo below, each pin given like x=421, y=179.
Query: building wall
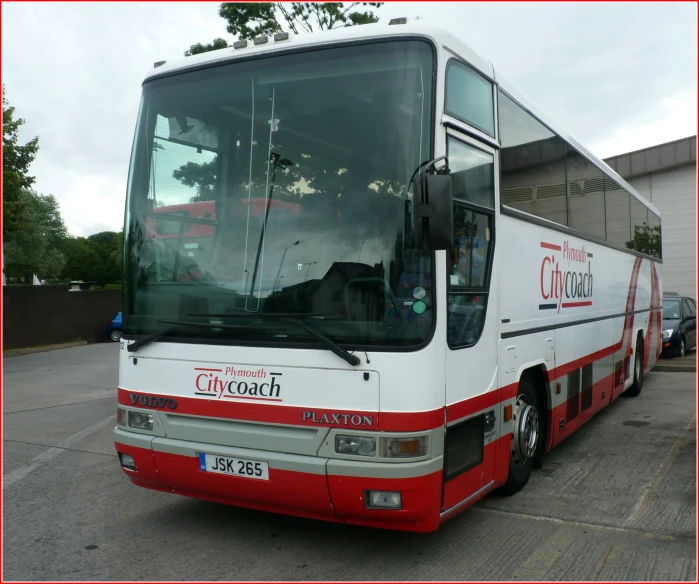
x=674, y=193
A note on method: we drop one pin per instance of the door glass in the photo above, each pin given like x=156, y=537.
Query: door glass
x=470, y=251
x=686, y=310
x=471, y=174
x=468, y=260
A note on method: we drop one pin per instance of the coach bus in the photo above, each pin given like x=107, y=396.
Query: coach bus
x=458, y=286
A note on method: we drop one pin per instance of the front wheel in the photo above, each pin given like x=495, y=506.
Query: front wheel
x=683, y=347
x=527, y=437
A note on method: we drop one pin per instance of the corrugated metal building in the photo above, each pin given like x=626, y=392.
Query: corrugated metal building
x=667, y=176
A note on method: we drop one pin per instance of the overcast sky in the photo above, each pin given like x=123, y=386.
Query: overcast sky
x=617, y=76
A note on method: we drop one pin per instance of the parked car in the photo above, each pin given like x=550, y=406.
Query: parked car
x=679, y=325
x=114, y=328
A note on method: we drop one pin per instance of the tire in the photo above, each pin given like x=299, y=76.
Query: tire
x=525, y=449
x=638, y=364
x=683, y=348
x=115, y=335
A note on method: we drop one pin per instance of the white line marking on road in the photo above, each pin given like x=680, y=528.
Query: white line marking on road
x=17, y=475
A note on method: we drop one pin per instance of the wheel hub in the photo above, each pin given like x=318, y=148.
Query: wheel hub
x=525, y=436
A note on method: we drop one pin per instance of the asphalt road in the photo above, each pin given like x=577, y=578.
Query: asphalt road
x=615, y=502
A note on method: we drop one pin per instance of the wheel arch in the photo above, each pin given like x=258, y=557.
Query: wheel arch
x=540, y=375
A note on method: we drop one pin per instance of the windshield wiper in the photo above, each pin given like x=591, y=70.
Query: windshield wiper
x=147, y=340
x=328, y=342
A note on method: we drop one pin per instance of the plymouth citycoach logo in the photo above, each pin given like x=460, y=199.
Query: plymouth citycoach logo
x=237, y=383
x=566, y=277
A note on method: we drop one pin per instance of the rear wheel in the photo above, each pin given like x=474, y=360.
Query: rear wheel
x=637, y=385
x=115, y=335
x=527, y=445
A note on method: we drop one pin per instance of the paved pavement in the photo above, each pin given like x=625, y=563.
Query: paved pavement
x=614, y=502
x=688, y=363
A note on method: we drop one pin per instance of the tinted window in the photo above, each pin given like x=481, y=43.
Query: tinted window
x=639, y=227
x=692, y=306
x=468, y=262
x=470, y=252
x=686, y=310
x=655, y=240
x=471, y=173
x=618, y=213
x=470, y=97
x=585, y=194
x=532, y=167
x=671, y=309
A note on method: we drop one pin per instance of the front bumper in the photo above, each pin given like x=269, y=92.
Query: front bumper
x=304, y=486
x=670, y=347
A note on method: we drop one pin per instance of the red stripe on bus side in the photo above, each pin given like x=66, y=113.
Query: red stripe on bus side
x=550, y=246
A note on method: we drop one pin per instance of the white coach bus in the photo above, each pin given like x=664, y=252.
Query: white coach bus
x=367, y=281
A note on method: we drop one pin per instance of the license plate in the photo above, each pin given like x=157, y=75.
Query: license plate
x=238, y=467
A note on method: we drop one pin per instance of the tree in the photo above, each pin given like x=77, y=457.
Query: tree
x=247, y=20
x=200, y=48
x=81, y=259
x=34, y=249
x=201, y=176
x=16, y=159
x=646, y=240
x=94, y=258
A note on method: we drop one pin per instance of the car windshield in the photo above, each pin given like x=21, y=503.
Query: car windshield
x=281, y=185
x=671, y=308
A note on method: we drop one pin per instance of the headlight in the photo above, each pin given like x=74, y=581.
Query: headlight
x=140, y=421
x=121, y=417
x=361, y=445
x=668, y=333
x=403, y=447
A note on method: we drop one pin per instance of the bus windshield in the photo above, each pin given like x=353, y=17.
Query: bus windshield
x=280, y=185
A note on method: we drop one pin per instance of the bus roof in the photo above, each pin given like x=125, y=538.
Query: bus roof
x=416, y=28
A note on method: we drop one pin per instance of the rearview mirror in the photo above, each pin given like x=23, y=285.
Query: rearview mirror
x=433, y=212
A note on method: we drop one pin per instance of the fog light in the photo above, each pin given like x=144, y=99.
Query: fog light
x=140, y=421
x=403, y=447
x=127, y=461
x=121, y=416
x=384, y=499
x=360, y=445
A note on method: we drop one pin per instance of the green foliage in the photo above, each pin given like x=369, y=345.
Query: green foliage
x=215, y=45
x=34, y=249
x=94, y=258
x=248, y=20
x=201, y=176
x=646, y=240
x=16, y=159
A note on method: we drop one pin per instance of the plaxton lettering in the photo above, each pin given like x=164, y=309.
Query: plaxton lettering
x=339, y=419
x=151, y=401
